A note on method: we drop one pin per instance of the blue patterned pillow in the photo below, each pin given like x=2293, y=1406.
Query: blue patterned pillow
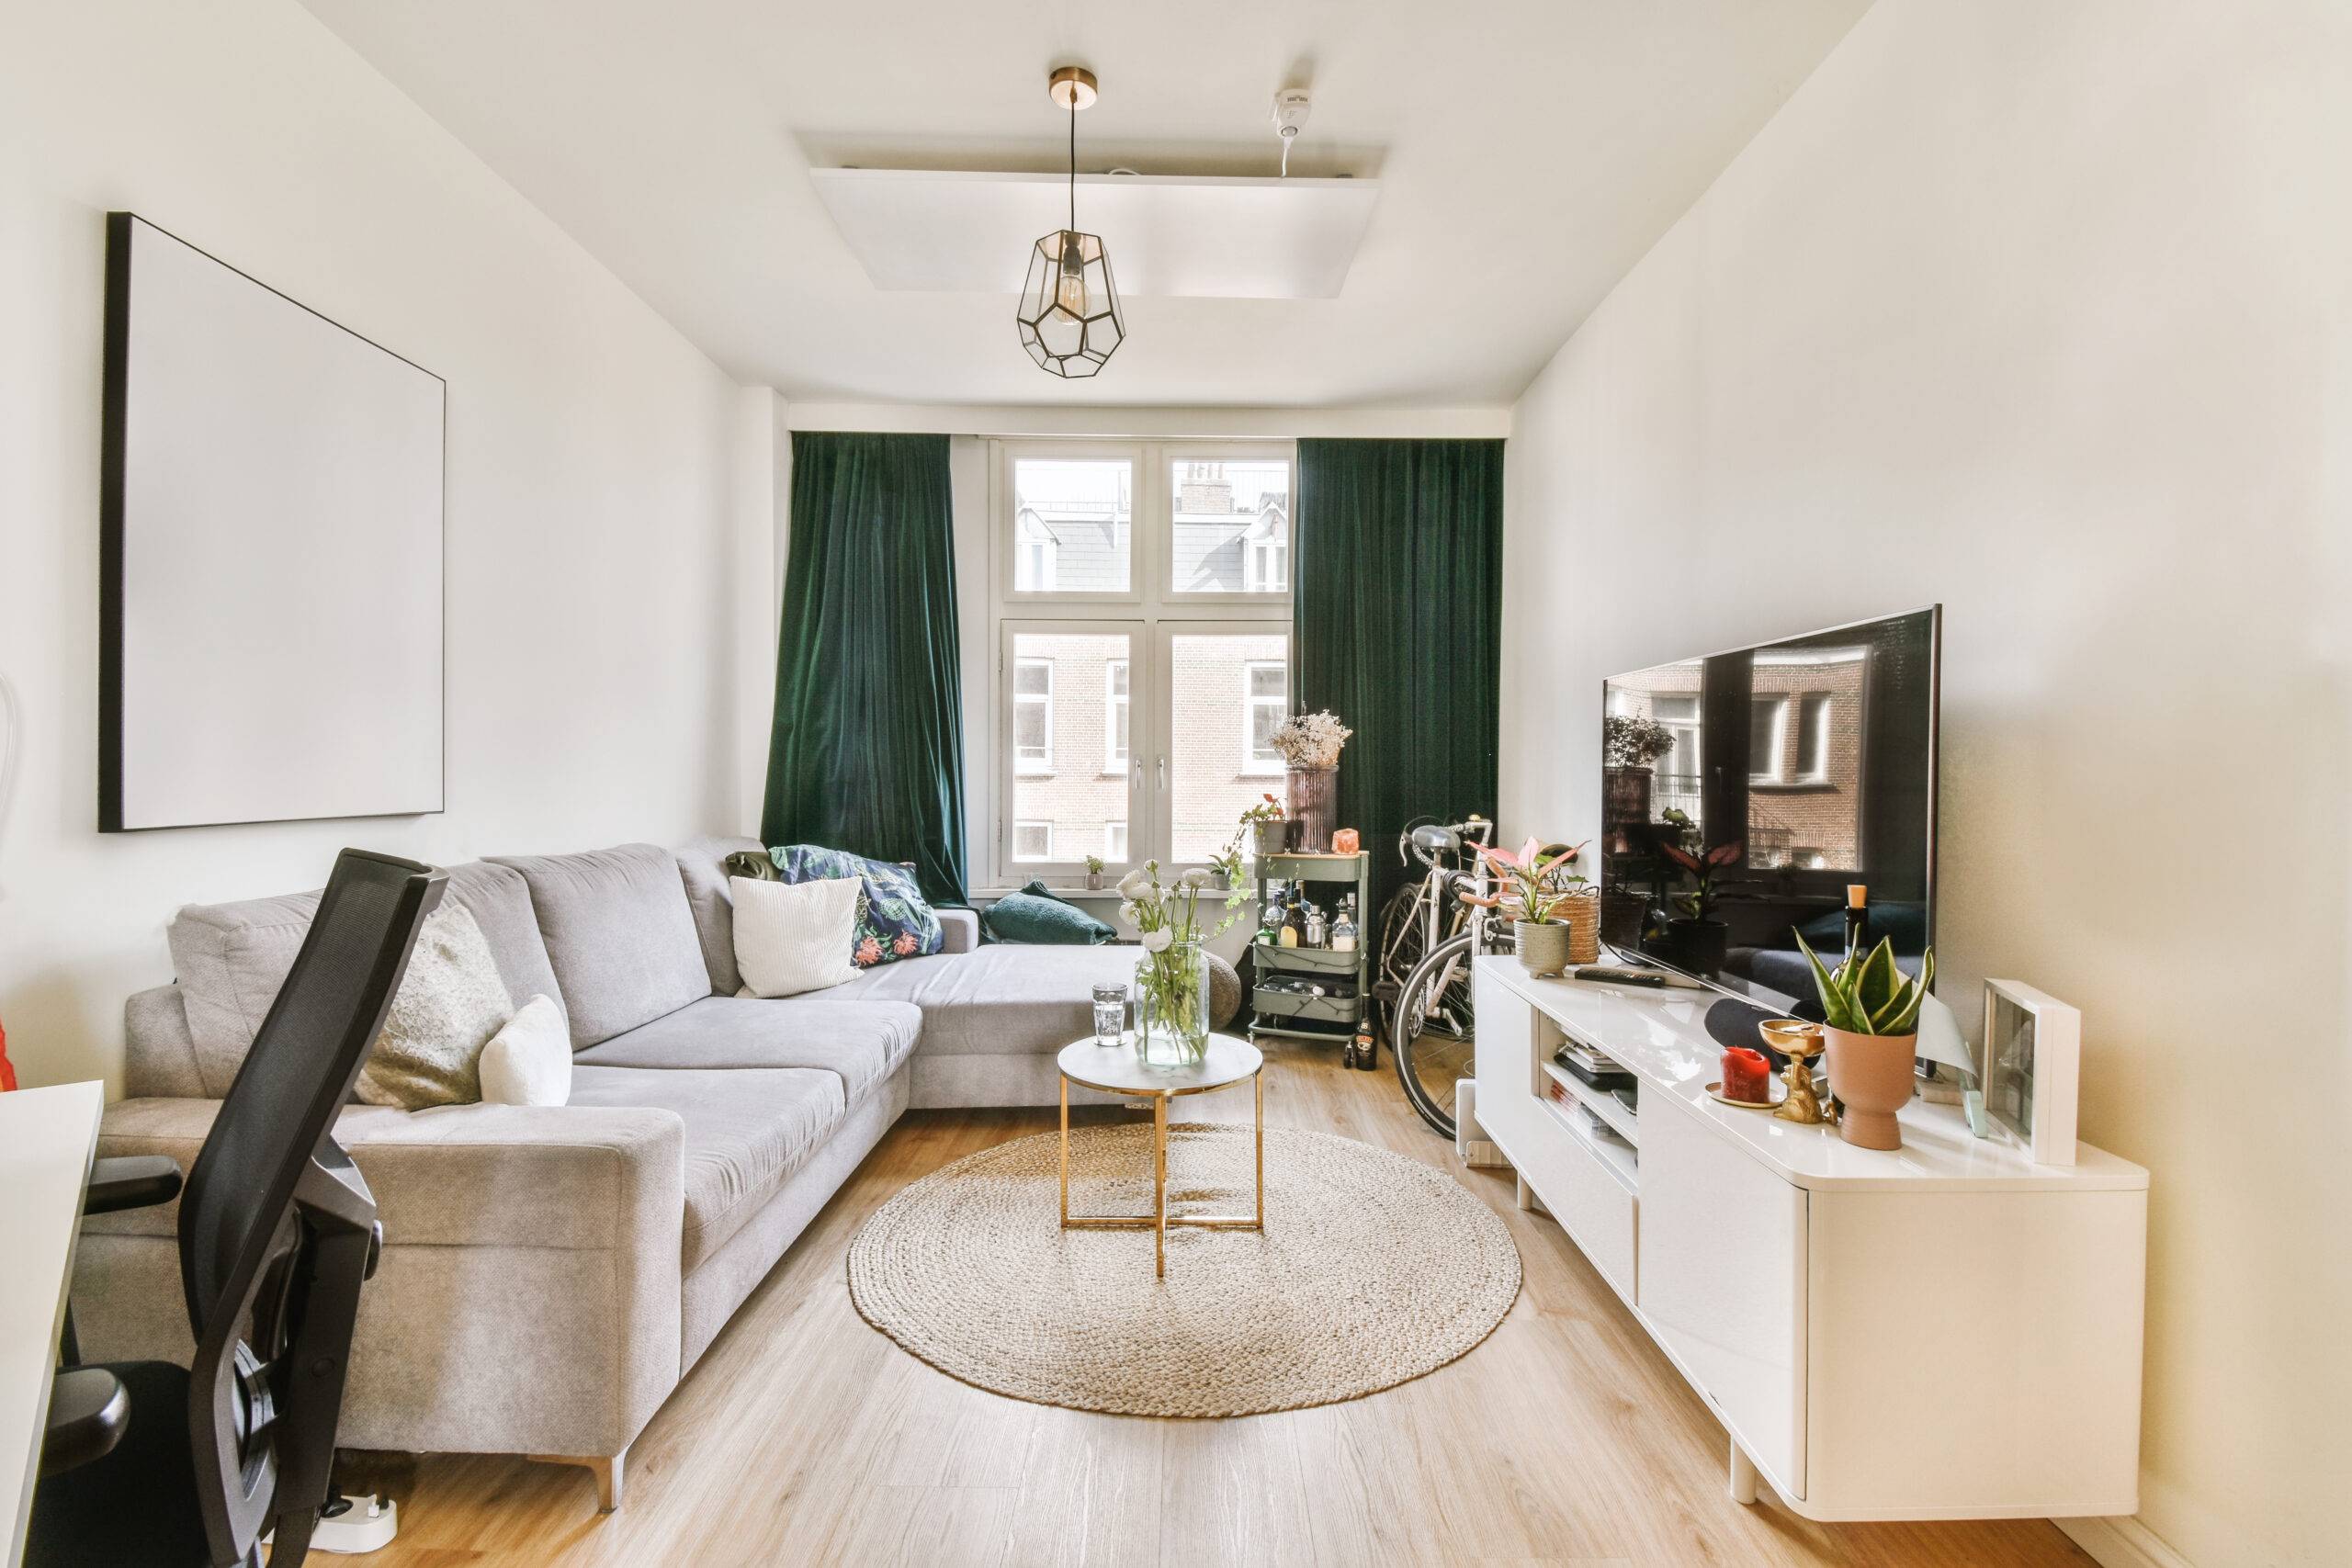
x=898, y=923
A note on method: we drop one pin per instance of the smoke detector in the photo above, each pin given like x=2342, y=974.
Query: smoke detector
x=1291, y=105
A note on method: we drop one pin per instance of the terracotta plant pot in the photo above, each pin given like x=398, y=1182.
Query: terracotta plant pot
x=1543, y=947
x=1872, y=1073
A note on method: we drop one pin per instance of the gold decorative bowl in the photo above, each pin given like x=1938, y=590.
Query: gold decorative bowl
x=1792, y=1036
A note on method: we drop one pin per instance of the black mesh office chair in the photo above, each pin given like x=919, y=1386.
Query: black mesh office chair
x=277, y=1232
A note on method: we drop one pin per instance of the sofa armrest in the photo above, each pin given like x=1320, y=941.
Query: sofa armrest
x=961, y=928
x=529, y=1297
x=561, y=1176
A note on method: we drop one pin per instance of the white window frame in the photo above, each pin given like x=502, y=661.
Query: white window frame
x=1166, y=455
x=1255, y=556
x=1251, y=762
x=1825, y=717
x=1115, y=761
x=1146, y=613
x=1031, y=767
x=1005, y=872
x=1777, y=773
x=1003, y=539
x=1013, y=842
x=1114, y=844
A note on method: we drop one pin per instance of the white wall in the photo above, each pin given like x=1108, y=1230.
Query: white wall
x=2045, y=313
x=591, y=481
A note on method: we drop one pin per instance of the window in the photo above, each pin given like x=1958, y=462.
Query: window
x=1033, y=716
x=1114, y=719
x=1675, y=777
x=1768, y=720
x=1265, y=568
x=1229, y=524
x=1813, y=715
x=1265, y=702
x=1145, y=624
x=1073, y=525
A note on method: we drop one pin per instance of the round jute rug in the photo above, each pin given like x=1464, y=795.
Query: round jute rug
x=1373, y=1269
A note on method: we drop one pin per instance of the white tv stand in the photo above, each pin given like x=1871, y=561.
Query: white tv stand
x=1944, y=1331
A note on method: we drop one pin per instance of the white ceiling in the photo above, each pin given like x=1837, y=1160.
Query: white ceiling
x=1529, y=153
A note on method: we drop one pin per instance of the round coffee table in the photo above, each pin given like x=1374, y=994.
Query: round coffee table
x=1116, y=1069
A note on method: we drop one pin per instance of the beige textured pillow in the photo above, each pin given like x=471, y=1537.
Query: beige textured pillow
x=792, y=937
x=450, y=1002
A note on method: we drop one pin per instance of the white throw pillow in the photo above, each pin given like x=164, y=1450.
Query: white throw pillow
x=529, y=1061
x=792, y=937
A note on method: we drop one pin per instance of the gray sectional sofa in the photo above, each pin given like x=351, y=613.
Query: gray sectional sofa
x=550, y=1273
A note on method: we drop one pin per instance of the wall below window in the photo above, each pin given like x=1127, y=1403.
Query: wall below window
x=2043, y=313
x=595, y=662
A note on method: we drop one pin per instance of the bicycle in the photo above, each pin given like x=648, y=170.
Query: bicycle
x=1452, y=917
x=1428, y=934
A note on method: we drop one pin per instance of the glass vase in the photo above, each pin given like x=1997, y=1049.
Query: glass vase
x=1314, y=802
x=1172, y=1006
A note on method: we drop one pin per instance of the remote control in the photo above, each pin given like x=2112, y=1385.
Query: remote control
x=1647, y=977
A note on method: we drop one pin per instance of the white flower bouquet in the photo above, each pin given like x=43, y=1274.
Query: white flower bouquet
x=1310, y=740
x=1172, y=982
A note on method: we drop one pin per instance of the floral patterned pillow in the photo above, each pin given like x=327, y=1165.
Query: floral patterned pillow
x=898, y=921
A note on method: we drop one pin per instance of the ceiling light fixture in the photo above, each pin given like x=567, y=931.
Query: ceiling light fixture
x=1070, y=317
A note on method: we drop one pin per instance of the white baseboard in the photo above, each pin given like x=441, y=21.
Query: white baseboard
x=2122, y=1543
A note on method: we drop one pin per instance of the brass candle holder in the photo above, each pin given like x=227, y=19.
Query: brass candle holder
x=1800, y=1042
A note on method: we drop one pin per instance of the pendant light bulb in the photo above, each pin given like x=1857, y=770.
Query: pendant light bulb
x=1069, y=293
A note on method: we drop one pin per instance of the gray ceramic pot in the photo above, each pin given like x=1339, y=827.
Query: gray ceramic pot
x=1542, y=948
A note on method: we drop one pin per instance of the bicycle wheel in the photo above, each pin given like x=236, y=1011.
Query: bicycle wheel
x=1433, y=1035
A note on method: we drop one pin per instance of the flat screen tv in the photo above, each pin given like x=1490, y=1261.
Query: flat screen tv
x=1792, y=770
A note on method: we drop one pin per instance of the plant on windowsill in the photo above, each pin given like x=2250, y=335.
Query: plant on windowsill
x=1269, y=831
x=1172, y=977
x=1870, y=1031
x=1093, y=871
x=1628, y=746
x=1541, y=896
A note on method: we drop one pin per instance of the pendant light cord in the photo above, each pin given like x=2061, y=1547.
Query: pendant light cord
x=1073, y=162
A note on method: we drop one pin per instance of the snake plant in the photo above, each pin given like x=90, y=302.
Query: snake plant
x=1872, y=995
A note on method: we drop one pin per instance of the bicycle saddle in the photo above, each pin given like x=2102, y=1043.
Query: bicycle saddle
x=1433, y=839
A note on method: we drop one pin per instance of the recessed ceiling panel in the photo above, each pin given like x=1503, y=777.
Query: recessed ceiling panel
x=1178, y=236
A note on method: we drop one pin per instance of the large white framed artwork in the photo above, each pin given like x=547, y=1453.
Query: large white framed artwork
x=271, y=554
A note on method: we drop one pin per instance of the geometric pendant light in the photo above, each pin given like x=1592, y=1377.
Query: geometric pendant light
x=1070, y=318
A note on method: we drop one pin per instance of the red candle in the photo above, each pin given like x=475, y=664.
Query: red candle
x=1745, y=1075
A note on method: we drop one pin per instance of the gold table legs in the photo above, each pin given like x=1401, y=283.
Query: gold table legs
x=1157, y=1222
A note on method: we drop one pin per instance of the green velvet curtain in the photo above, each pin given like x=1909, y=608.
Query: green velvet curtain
x=1397, y=629
x=867, y=752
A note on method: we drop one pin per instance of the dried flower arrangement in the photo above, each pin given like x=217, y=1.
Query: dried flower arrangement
x=1310, y=740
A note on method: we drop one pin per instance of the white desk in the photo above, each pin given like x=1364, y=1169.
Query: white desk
x=47, y=1137
x=1946, y=1330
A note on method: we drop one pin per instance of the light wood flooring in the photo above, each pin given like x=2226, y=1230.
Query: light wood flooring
x=803, y=1436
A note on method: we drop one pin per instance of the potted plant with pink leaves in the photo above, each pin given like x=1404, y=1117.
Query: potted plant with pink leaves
x=1539, y=889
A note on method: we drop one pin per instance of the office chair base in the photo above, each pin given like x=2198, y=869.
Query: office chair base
x=369, y=1525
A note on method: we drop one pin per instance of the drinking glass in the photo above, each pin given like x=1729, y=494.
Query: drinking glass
x=1110, y=1014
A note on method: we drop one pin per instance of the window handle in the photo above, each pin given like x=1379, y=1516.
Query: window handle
x=1163, y=775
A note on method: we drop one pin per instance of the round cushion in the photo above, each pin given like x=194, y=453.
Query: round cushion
x=1225, y=992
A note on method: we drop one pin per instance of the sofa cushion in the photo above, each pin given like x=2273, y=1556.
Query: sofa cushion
x=231, y=958
x=747, y=1131
x=702, y=866
x=619, y=933
x=449, y=1004
x=999, y=1000
x=861, y=1042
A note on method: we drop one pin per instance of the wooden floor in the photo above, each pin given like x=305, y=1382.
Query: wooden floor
x=803, y=1436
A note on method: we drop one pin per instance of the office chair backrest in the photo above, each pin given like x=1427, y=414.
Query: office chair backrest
x=269, y=1185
